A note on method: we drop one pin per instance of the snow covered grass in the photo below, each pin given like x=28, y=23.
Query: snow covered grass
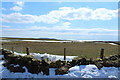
x=82, y=71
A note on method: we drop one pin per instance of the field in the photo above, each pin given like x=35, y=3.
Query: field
x=80, y=49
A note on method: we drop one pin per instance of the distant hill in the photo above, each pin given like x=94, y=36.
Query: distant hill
x=14, y=38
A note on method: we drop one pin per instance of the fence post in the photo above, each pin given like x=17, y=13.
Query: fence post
x=102, y=53
x=64, y=53
x=13, y=50
x=27, y=51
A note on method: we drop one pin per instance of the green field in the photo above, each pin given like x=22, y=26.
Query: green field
x=86, y=49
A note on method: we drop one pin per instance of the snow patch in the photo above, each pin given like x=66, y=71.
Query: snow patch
x=51, y=57
x=35, y=40
x=48, y=56
x=112, y=43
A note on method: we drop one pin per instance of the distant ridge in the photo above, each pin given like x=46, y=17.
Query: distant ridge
x=29, y=38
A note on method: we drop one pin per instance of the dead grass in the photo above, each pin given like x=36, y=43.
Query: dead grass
x=88, y=50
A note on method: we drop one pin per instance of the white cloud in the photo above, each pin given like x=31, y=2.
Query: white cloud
x=63, y=13
x=66, y=23
x=14, y=29
x=19, y=3
x=19, y=18
x=105, y=14
x=3, y=8
x=16, y=8
x=27, y=18
x=63, y=26
x=62, y=29
x=47, y=19
x=68, y=31
x=90, y=14
x=4, y=26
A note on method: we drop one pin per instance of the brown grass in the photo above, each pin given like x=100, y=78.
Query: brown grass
x=88, y=50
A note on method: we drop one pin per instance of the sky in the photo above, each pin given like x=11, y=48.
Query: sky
x=60, y=20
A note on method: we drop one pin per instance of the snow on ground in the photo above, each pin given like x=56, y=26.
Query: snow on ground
x=49, y=56
x=45, y=41
x=21, y=54
x=4, y=40
x=91, y=71
x=82, y=71
x=112, y=43
x=52, y=57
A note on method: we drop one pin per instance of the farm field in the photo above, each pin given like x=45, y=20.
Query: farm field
x=80, y=49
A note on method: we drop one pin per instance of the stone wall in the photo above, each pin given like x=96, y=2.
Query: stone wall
x=36, y=66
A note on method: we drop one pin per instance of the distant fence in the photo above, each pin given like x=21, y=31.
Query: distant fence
x=14, y=49
x=27, y=50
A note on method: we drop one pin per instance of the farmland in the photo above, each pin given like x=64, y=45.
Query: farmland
x=80, y=49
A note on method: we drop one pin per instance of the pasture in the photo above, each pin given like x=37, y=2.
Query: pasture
x=80, y=49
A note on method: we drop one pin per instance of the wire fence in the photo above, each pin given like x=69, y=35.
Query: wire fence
x=87, y=50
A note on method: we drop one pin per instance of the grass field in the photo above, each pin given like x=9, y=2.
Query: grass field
x=87, y=49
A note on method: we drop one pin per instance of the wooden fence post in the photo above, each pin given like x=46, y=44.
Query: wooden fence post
x=1, y=51
x=27, y=51
x=64, y=53
x=102, y=53
x=13, y=50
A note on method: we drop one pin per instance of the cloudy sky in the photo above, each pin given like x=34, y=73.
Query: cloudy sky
x=61, y=20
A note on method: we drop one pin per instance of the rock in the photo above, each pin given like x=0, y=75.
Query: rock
x=117, y=64
x=3, y=51
x=56, y=64
x=119, y=56
x=113, y=58
x=23, y=60
x=98, y=65
x=78, y=61
x=91, y=61
x=20, y=61
x=27, y=58
x=83, y=61
x=35, y=62
x=34, y=66
x=16, y=69
x=6, y=54
x=108, y=64
x=34, y=69
x=62, y=70
x=0, y=58
x=98, y=59
x=6, y=64
x=13, y=59
x=68, y=64
x=53, y=64
x=45, y=67
x=73, y=62
x=106, y=59
x=45, y=71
